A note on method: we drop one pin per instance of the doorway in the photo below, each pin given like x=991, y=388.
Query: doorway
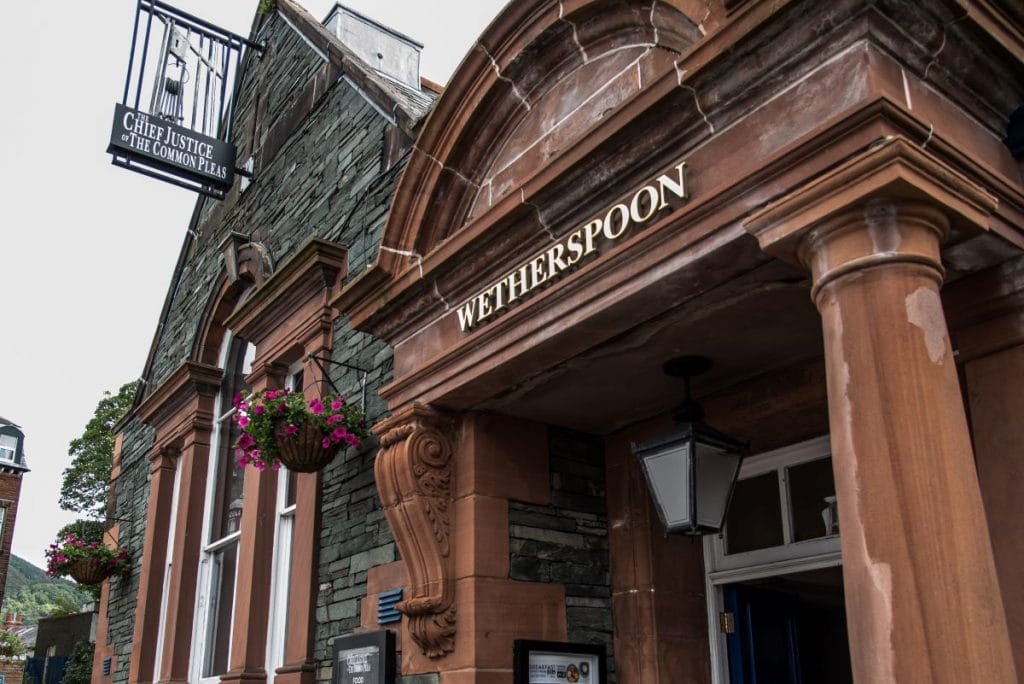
x=776, y=610
x=788, y=629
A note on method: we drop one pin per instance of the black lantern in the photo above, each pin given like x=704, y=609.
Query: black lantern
x=692, y=469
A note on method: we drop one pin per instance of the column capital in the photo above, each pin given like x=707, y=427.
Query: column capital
x=879, y=231
x=893, y=179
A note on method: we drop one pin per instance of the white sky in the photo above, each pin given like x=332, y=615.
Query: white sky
x=87, y=249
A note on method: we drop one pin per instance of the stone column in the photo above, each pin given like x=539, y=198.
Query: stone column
x=188, y=539
x=154, y=557
x=255, y=558
x=300, y=664
x=922, y=597
x=987, y=316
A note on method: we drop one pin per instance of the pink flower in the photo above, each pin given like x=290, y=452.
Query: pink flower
x=281, y=408
x=334, y=419
x=276, y=465
x=236, y=400
x=316, y=407
x=271, y=394
x=291, y=430
x=243, y=460
x=243, y=421
x=259, y=465
x=352, y=440
x=246, y=440
x=326, y=443
x=339, y=433
x=338, y=404
x=258, y=409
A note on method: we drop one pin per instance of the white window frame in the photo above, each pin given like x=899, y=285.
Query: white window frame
x=791, y=556
x=204, y=584
x=8, y=453
x=280, y=583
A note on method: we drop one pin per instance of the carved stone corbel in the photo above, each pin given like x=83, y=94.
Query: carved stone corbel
x=414, y=475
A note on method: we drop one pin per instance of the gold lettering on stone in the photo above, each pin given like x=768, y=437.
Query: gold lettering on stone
x=565, y=254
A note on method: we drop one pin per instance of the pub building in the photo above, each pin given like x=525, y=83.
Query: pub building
x=619, y=223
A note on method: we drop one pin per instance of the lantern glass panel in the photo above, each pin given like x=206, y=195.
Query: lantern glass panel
x=716, y=470
x=668, y=475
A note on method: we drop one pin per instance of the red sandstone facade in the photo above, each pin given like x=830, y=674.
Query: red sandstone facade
x=850, y=252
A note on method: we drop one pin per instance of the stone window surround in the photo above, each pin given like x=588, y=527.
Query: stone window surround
x=180, y=411
x=288, y=318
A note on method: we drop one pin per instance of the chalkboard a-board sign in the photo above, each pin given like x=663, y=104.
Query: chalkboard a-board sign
x=555, y=662
x=364, y=659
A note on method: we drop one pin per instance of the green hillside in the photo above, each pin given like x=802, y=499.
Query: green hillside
x=30, y=592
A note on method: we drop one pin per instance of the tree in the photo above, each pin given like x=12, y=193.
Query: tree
x=79, y=667
x=10, y=645
x=84, y=489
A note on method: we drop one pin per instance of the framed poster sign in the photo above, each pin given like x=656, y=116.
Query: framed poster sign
x=364, y=659
x=554, y=662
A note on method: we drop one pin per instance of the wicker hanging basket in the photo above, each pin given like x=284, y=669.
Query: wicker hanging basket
x=305, y=452
x=88, y=571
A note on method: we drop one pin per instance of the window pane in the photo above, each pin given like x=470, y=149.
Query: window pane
x=8, y=447
x=291, y=482
x=755, y=516
x=222, y=599
x=227, y=510
x=809, y=485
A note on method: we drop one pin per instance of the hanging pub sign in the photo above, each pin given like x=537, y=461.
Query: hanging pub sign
x=175, y=119
x=172, y=148
x=367, y=658
x=565, y=255
x=554, y=662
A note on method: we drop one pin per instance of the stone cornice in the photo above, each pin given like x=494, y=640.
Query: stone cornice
x=294, y=302
x=997, y=22
x=410, y=283
x=175, y=406
x=893, y=169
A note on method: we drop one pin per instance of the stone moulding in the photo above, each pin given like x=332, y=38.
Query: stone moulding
x=414, y=478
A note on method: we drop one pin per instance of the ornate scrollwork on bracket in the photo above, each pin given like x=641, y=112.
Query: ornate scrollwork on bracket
x=414, y=475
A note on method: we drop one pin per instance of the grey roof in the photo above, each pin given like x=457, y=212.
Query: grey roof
x=406, y=105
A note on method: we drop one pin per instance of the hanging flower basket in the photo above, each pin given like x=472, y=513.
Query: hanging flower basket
x=88, y=571
x=304, y=452
x=281, y=427
x=87, y=562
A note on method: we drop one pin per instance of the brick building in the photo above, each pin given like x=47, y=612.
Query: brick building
x=817, y=196
x=13, y=465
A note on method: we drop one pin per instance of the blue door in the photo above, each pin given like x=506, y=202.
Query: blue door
x=787, y=634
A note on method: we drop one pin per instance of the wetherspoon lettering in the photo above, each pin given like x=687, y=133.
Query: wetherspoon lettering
x=578, y=245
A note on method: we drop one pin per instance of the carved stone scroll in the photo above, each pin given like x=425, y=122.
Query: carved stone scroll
x=414, y=475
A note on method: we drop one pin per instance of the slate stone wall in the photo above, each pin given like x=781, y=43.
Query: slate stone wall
x=566, y=542
x=131, y=492
x=325, y=180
